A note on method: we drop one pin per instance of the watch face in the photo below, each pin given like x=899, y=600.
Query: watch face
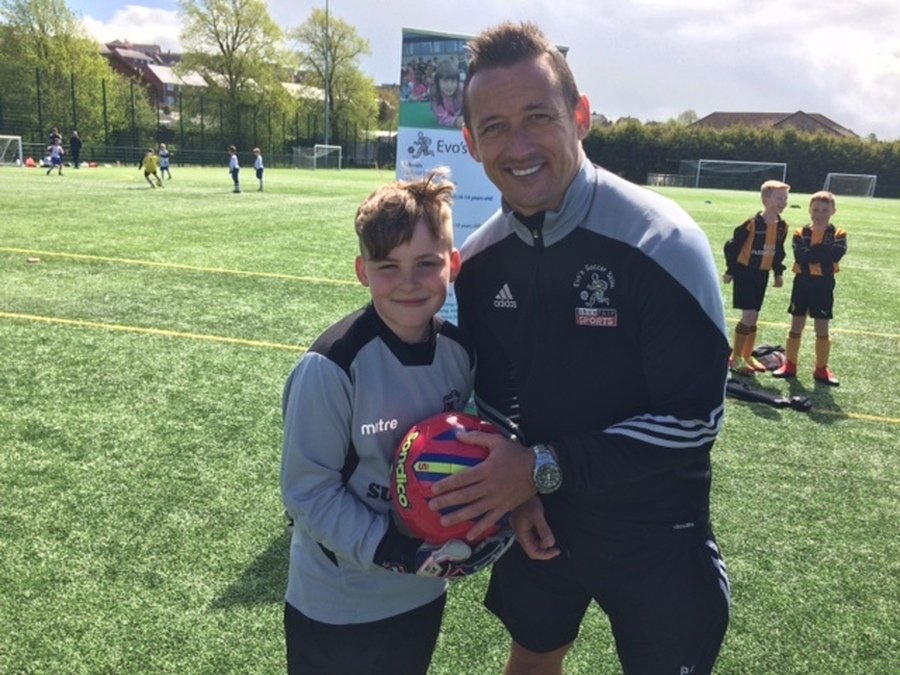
x=548, y=478
x=547, y=474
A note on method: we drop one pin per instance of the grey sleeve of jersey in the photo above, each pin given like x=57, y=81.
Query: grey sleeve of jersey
x=317, y=422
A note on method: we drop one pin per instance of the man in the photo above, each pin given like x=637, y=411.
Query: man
x=75, y=146
x=600, y=337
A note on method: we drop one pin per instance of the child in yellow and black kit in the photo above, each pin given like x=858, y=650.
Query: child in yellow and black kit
x=756, y=247
x=150, y=165
x=817, y=249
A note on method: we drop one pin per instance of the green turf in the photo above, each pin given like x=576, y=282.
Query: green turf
x=144, y=352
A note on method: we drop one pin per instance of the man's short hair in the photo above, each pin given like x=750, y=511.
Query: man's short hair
x=387, y=218
x=508, y=44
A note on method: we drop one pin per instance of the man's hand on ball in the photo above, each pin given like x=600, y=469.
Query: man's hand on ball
x=489, y=490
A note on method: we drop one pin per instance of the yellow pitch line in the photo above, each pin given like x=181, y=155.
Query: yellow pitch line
x=178, y=266
x=277, y=345
x=841, y=413
x=860, y=416
x=151, y=331
x=831, y=329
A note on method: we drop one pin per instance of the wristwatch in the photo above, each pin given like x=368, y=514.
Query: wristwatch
x=547, y=474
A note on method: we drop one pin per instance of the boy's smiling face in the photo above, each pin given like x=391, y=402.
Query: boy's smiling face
x=409, y=286
x=776, y=201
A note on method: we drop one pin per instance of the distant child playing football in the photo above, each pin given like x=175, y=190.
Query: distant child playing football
x=362, y=597
x=150, y=165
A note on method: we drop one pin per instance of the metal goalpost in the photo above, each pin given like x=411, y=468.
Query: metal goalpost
x=320, y=156
x=859, y=184
x=11, y=151
x=729, y=173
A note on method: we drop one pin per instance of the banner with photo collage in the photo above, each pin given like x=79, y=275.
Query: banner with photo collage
x=432, y=73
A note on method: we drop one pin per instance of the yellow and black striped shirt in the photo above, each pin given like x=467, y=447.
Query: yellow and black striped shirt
x=817, y=252
x=757, y=246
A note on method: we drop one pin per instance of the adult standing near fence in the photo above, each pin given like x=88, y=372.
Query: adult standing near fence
x=75, y=144
x=234, y=168
x=600, y=335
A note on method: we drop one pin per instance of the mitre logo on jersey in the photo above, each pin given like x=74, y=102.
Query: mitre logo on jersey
x=594, y=307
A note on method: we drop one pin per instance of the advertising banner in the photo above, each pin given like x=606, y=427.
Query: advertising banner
x=432, y=73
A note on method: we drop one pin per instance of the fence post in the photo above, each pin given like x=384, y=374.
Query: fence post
x=40, y=103
x=74, y=104
x=202, y=126
x=105, y=115
x=180, y=117
x=134, y=142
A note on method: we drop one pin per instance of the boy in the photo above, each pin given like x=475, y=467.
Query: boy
x=234, y=168
x=346, y=406
x=165, y=156
x=55, y=152
x=817, y=249
x=258, y=165
x=756, y=247
x=150, y=165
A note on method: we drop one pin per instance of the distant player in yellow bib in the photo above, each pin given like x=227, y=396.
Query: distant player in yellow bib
x=150, y=165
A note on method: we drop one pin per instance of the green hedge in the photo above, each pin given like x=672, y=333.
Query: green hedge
x=633, y=150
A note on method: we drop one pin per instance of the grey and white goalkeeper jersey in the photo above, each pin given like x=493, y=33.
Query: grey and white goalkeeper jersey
x=347, y=404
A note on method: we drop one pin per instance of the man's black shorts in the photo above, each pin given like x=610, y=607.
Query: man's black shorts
x=397, y=644
x=667, y=600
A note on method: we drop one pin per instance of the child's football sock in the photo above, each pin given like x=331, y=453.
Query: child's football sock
x=740, y=337
x=823, y=373
x=749, y=344
x=792, y=349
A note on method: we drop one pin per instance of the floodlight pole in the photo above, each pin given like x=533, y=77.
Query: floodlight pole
x=327, y=101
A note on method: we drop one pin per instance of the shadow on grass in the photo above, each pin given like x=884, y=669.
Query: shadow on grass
x=264, y=581
x=824, y=409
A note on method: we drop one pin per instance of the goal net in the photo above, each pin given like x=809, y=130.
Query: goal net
x=11, y=151
x=860, y=184
x=728, y=174
x=318, y=157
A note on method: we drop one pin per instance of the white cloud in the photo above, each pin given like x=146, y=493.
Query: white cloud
x=651, y=59
x=138, y=24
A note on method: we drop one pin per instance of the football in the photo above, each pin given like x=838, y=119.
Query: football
x=429, y=452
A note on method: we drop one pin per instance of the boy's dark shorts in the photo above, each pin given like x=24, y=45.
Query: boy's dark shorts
x=397, y=644
x=812, y=296
x=667, y=601
x=749, y=288
x=259, y=174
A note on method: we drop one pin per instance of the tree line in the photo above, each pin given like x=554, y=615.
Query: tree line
x=53, y=74
x=635, y=150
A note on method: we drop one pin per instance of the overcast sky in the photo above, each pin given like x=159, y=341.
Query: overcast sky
x=649, y=59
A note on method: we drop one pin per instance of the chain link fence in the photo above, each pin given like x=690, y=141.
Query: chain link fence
x=196, y=127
